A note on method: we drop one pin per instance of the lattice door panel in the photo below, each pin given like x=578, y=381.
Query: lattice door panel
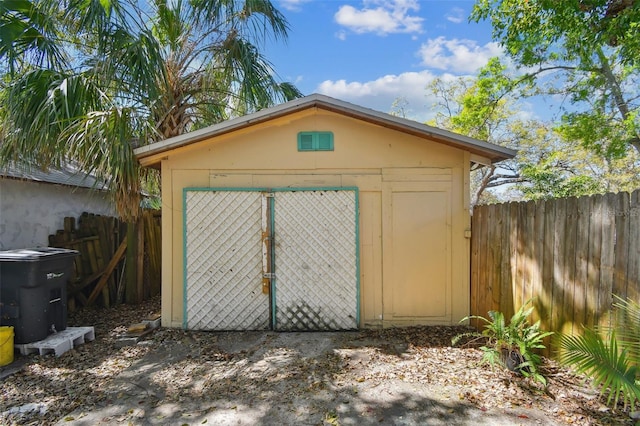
x=316, y=285
x=224, y=261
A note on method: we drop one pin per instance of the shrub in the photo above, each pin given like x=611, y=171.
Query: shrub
x=513, y=345
x=609, y=355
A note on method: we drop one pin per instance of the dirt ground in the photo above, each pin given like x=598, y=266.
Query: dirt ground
x=409, y=376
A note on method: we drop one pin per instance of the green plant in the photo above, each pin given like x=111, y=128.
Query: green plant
x=513, y=345
x=609, y=355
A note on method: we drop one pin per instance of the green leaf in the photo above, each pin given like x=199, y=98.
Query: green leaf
x=609, y=362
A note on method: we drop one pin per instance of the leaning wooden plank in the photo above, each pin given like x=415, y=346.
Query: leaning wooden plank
x=91, y=255
x=110, y=267
x=131, y=274
x=82, y=298
x=69, y=224
x=88, y=280
x=140, y=293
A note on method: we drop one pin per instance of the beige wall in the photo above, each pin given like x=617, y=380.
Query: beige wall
x=414, y=208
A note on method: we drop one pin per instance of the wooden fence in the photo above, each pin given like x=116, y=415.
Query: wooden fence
x=568, y=255
x=104, y=253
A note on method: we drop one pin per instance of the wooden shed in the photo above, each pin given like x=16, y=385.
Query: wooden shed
x=316, y=214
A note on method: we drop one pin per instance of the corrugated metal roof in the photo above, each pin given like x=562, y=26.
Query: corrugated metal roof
x=494, y=152
x=68, y=174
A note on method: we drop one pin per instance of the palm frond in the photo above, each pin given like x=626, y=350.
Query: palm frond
x=139, y=73
x=258, y=18
x=103, y=140
x=30, y=34
x=40, y=106
x=608, y=366
x=627, y=326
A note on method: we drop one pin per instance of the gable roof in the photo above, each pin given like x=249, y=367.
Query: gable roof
x=480, y=148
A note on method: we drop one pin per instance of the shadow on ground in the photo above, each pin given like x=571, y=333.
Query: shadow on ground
x=264, y=378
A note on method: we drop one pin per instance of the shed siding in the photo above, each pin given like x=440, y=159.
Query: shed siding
x=378, y=161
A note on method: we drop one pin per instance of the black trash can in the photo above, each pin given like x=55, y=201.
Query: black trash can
x=33, y=291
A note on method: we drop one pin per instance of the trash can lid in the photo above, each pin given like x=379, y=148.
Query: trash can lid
x=35, y=254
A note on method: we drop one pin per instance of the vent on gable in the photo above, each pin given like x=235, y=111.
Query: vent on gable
x=315, y=141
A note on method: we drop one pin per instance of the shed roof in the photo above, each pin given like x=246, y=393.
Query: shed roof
x=484, y=149
x=68, y=174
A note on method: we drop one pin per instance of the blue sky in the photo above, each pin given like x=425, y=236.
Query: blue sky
x=371, y=52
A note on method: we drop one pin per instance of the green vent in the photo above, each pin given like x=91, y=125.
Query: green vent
x=315, y=141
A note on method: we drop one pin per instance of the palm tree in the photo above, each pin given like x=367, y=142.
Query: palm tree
x=611, y=355
x=87, y=80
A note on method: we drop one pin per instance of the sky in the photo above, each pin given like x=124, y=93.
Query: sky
x=372, y=52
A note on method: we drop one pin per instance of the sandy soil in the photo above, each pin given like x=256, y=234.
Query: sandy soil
x=408, y=376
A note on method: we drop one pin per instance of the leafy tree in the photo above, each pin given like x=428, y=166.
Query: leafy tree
x=88, y=80
x=586, y=50
x=488, y=107
x=480, y=108
x=483, y=107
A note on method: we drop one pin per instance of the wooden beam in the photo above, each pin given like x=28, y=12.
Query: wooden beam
x=140, y=261
x=107, y=272
x=130, y=270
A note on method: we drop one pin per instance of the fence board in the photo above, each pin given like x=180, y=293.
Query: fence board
x=557, y=265
x=519, y=283
x=547, y=282
x=593, y=261
x=622, y=219
x=528, y=241
x=514, y=250
x=537, y=259
x=582, y=253
x=475, y=264
x=489, y=268
x=569, y=255
x=633, y=261
x=607, y=257
x=496, y=251
x=506, y=293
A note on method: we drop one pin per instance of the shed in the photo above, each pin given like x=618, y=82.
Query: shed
x=316, y=214
x=34, y=202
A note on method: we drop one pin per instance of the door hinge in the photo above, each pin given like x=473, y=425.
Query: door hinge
x=269, y=275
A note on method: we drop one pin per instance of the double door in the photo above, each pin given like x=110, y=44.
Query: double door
x=279, y=259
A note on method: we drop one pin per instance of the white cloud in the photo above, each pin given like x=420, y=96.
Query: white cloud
x=381, y=17
x=457, y=56
x=380, y=94
x=341, y=35
x=456, y=15
x=293, y=5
